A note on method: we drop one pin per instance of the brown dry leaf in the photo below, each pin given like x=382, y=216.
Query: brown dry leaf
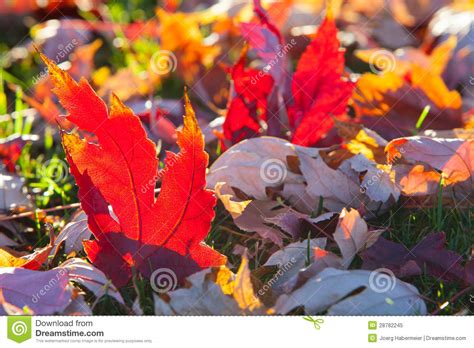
x=90, y=277
x=453, y=157
x=265, y=168
x=356, y=182
x=416, y=180
x=354, y=292
x=352, y=235
x=391, y=104
x=213, y=291
x=291, y=260
x=235, y=208
x=322, y=259
x=256, y=216
x=33, y=261
x=428, y=162
x=243, y=291
x=298, y=225
x=253, y=165
x=24, y=288
x=359, y=139
x=73, y=234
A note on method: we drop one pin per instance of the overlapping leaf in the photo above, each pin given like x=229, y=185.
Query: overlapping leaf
x=319, y=90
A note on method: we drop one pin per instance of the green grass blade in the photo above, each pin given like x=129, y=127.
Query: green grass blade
x=18, y=128
x=3, y=96
x=422, y=117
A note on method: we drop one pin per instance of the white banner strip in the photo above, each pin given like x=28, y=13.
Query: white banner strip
x=238, y=332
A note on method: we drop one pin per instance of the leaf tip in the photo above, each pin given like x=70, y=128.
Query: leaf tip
x=190, y=121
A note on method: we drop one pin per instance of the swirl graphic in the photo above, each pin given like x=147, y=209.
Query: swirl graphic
x=382, y=280
x=55, y=169
x=19, y=328
x=382, y=61
x=273, y=171
x=163, y=62
x=163, y=280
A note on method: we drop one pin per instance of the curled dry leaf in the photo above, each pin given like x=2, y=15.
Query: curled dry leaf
x=268, y=218
x=453, y=157
x=430, y=163
x=416, y=180
x=339, y=292
x=291, y=260
x=73, y=234
x=298, y=225
x=352, y=235
x=356, y=182
x=256, y=216
x=85, y=274
x=235, y=208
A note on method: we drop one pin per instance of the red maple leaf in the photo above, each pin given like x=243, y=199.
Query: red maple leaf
x=248, y=107
x=116, y=178
x=318, y=88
